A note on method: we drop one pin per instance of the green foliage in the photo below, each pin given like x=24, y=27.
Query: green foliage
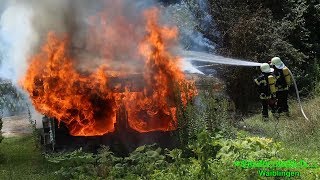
x=259, y=30
x=1, y=122
x=317, y=83
x=76, y=164
x=11, y=100
x=205, y=147
x=250, y=148
x=141, y=163
x=208, y=112
x=212, y=160
x=210, y=156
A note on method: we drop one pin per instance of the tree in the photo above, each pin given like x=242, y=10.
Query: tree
x=258, y=30
x=1, y=138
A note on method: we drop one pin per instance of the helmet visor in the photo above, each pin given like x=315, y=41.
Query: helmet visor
x=280, y=66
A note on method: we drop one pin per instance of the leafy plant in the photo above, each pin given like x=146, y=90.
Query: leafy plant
x=214, y=156
x=210, y=112
x=205, y=148
x=141, y=163
x=75, y=165
x=249, y=148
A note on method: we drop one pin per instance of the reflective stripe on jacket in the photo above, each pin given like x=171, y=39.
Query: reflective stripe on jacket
x=263, y=86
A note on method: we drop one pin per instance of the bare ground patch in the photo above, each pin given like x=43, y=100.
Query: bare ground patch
x=16, y=126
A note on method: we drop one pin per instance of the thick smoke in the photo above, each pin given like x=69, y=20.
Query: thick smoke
x=24, y=26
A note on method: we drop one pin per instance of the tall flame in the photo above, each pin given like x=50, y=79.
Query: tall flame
x=84, y=100
x=155, y=108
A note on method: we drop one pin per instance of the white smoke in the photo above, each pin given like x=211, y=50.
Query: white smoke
x=190, y=36
x=17, y=38
x=23, y=25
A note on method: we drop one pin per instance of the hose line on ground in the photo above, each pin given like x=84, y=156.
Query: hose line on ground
x=298, y=97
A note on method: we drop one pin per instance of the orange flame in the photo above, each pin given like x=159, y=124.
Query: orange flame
x=85, y=102
x=155, y=108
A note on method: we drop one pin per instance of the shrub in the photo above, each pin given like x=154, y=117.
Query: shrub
x=75, y=165
x=209, y=111
x=80, y=165
x=214, y=158
x=249, y=148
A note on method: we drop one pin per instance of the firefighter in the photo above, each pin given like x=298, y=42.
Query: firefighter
x=283, y=83
x=267, y=90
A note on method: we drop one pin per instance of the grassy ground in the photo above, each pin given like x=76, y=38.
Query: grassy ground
x=19, y=159
x=300, y=138
x=295, y=130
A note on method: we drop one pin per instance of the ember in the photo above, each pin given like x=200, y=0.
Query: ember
x=84, y=99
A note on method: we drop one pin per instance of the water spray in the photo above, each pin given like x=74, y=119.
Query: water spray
x=210, y=58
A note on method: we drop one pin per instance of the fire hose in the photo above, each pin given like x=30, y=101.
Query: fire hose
x=298, y=96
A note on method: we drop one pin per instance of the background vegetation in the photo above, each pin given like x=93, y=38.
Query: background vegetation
x=1, y=127
x=12, y=101
x=257, y=30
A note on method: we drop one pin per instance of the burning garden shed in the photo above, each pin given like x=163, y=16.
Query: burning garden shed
x=106, y=71
x=116, y=78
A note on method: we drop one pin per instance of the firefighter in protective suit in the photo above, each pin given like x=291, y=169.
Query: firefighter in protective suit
x=267, y=90
x=283, y=83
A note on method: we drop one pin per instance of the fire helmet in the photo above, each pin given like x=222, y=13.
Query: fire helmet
x=276, y=61
x=265, y=67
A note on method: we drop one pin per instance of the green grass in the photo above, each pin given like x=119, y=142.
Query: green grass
x=300, y=139
x=292, y=131
x=19, y=159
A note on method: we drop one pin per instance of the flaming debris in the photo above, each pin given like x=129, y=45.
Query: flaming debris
x=74, y=86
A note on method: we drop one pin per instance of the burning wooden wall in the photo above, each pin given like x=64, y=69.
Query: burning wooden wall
x=124, y=138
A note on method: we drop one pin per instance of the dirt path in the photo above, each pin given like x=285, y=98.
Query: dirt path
x=16, y=126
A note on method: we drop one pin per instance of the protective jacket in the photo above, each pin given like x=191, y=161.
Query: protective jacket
x=264, y=86
x=282, y=84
